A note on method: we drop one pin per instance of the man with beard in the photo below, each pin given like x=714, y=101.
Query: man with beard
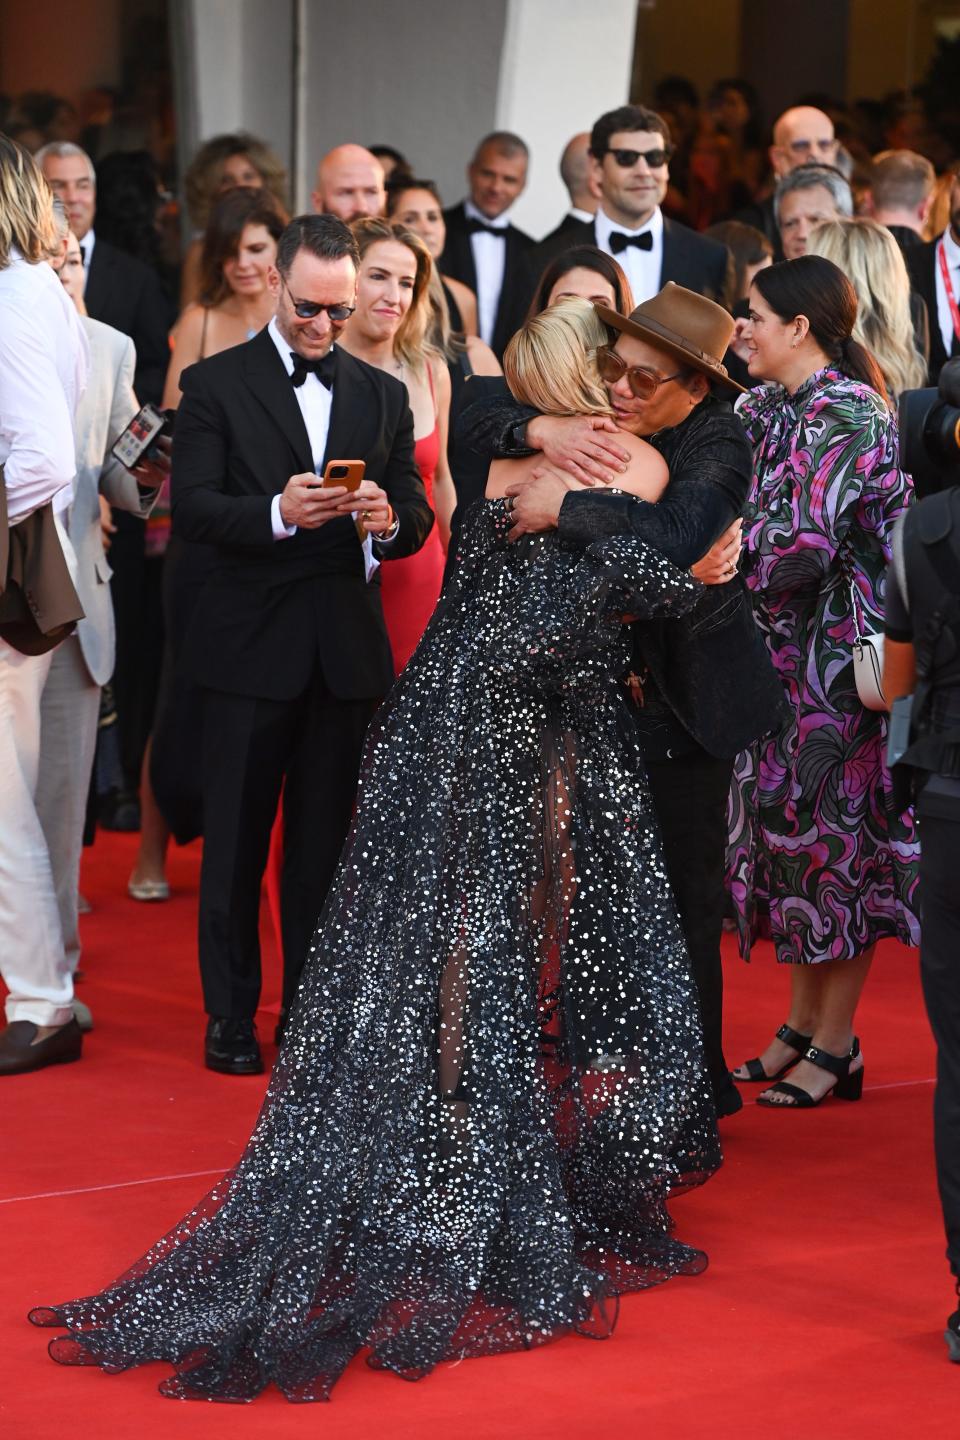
x=349, y=184
x=630, y=151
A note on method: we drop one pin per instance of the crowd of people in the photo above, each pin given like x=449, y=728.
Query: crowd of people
x=617, y=506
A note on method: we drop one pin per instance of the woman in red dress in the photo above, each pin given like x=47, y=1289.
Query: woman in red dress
x=389, y=330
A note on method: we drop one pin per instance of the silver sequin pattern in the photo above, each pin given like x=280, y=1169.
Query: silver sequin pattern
x=493, y=1078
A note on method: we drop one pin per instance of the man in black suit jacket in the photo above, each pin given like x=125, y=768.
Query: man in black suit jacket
x=288, y=642
x=483, y=250
x=576, y=172
x=119, y=290
x=925, y=266
x=630, y=150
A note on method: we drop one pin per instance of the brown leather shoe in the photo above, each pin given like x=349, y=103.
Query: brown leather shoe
x=18, y=1054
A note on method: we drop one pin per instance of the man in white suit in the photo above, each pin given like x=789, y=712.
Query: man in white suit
x=70, y=705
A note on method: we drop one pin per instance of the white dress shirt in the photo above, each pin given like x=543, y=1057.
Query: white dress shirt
x=86, y=249
x=315, y=402
x=586, y=216
x=490, y=262
x=643, y=267
x=44, y=359
x=951, y=251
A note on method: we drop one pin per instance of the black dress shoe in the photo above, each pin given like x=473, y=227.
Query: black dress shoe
x=119, y=810
x=231, y=1047
x=18, y=1053
x=728, y=1101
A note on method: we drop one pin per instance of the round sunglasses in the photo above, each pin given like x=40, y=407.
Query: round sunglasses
x=643, y=383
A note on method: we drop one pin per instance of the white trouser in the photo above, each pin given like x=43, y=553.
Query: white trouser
x=32, y=959
x=69, y=711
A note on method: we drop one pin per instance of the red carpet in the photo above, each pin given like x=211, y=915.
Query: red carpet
x=820, y=1314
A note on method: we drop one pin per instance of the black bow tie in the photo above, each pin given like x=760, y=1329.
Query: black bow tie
x=619, y=241
x=325, y=369
x=476, y=226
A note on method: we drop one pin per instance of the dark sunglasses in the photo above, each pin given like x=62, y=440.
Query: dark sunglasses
x=626, y=159
x=643, y=383
x=309, y=309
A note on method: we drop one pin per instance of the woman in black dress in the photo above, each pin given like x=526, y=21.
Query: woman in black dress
x=493, y=1076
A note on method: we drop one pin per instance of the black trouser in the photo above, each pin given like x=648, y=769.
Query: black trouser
x=250, y=747
x=940, y=973
x=690, y=797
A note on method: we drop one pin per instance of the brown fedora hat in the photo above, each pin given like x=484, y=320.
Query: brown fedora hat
x=685, y=324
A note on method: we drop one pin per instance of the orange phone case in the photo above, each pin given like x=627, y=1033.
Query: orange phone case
x=344, y=472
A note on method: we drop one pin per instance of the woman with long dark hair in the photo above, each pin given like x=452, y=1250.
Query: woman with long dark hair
x=587, y=273
x=817, y=863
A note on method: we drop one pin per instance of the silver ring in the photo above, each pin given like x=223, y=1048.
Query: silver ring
x=511, y=502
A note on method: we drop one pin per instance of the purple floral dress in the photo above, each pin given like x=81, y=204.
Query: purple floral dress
x=816, y=862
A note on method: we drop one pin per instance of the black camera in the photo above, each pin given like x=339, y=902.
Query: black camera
x=930, y=433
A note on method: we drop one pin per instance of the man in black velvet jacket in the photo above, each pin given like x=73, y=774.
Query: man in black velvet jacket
x=705, y=683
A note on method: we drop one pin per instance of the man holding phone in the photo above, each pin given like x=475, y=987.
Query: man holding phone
x=288, y=642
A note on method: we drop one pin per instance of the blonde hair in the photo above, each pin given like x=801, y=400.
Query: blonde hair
x=412, y=343
x=26, y=207
x=551, y=364
x=938, y=216
x=871, y=259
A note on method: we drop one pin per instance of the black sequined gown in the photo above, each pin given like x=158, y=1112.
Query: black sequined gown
x=493, y=1077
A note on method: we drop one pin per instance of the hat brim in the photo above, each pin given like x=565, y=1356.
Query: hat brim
x=652, y=334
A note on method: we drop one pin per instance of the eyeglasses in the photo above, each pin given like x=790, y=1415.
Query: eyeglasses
x=626, y=159
x=309, y=309
x=804, y=147
x=643, y=383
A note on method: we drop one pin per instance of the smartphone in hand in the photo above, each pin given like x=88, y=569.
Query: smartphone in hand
x=346, y=473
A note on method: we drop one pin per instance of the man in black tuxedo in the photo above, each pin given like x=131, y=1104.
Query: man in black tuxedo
x=576, y=172
x=119, y=290
x=934, y=270
x=289, y=642
x=483, y=250
x=630, y=152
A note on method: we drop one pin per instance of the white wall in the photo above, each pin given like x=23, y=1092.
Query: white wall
x=430, y=77
x=564, y=63
x=420, y=75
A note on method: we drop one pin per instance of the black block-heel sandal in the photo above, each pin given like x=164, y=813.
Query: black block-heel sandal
x=755, y=1072
x=849, y=1084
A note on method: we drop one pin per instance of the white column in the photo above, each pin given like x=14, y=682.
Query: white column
x=564, y=63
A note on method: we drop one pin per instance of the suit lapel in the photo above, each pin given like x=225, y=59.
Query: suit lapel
x=350, y=407
x=668, y=256
x=270, y=384
x=98, y=279
x=463, y=249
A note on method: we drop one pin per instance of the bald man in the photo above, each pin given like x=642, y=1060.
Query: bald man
x=576, y=172
x=349, y=184
x=801, y=135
